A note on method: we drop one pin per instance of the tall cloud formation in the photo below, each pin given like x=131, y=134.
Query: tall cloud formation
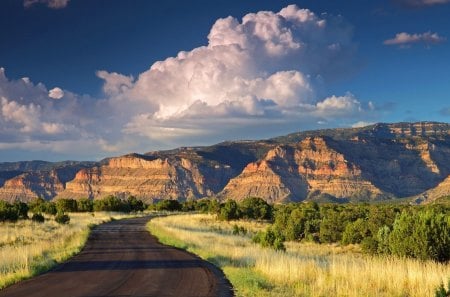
x=261, y=76
x=54, y=4
x=405, y=39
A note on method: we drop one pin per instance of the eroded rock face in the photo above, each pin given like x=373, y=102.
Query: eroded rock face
x=28, y=186
x=276, y=178
x=147, y=178
x=292, y=173
x=374, y=162
x=441, y=190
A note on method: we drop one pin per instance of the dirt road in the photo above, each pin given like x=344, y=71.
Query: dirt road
x=122, y=259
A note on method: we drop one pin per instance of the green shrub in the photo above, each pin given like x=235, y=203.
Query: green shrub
x=66, y=205
x=39, y=205
x=441, y=291
x=239, y=230
x=38, y=218
x=169, y=205
x=423, y=235
x=229, y=211
x=111, y=203
x=61, y=218
x=135, y=204
x=255, y=208
x=85, y=205
x=355, y=232
x=7, y=212
x=269, y=238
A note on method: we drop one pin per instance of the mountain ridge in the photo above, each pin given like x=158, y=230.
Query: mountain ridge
x=375, y=162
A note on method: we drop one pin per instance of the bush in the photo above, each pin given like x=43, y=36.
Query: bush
x=21, y=209
x=271, y=239
x=61, y=218
x=355, y=232
x=331, y=226
x=169, y=205
x=39, y=205
x=239, y=230
x=38, y=218
x=423, y=235
x=66, y=205
x=229, y=211
x=135, y=204
x=111, y=203
x=7, y=212
x=441, y=291
x=255, y=208
x=85, y=205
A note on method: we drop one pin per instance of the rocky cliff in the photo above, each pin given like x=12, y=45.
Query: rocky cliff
x=303, y=170
x=30, y=185
x=380, y=161
x=185, y=176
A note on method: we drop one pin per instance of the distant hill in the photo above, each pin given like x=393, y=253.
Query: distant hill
x=377, y=162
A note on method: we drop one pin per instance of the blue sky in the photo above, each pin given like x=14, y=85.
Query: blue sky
x=89, y=79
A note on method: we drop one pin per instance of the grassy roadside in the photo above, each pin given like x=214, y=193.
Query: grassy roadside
x=208, y=236
x=305, y=269
x=28, y=248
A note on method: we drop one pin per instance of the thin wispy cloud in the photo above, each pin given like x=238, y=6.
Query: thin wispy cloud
x=421, y=3
x=404, y=39
x=54, y=4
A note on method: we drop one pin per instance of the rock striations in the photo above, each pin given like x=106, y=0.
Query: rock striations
x=381, y=161
x=148, y=178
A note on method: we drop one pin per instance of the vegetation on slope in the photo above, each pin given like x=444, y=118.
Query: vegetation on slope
x=304, y=269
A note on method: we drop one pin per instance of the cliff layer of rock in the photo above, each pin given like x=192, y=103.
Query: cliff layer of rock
x=292, y=173
x=374, y=162
x=148, y=178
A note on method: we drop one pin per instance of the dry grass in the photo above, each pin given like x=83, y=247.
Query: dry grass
x=28, y=248
x=305, y=269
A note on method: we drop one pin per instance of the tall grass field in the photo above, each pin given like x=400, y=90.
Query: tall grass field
x=305, y=269
x=28, y=248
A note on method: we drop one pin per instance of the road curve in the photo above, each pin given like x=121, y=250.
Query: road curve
x=121, y=258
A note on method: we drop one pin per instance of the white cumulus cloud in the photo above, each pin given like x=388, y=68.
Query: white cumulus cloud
x=260, y=76
x=56, y=93
x=406, y=39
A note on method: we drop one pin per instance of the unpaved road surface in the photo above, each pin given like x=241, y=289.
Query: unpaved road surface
x=121, y=259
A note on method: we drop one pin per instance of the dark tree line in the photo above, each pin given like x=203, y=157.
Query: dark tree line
x=421, y=232
x=13, y=212
x=60, y=208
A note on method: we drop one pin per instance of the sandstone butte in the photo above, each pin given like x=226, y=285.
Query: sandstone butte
x=381, y=161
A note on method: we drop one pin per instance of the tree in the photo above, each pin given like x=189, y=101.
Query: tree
x=39, y=205
x=169, y=205
x=7, y=212
x=355, y=232
x=255, y=208
x=85, y=205
x=229, y=211
x=62, y=218
x=111, y=203
x=331, y=226
x=423, y=235
x=66, y=205
x=270, y=238
x=21, y=209
x=135, y=204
